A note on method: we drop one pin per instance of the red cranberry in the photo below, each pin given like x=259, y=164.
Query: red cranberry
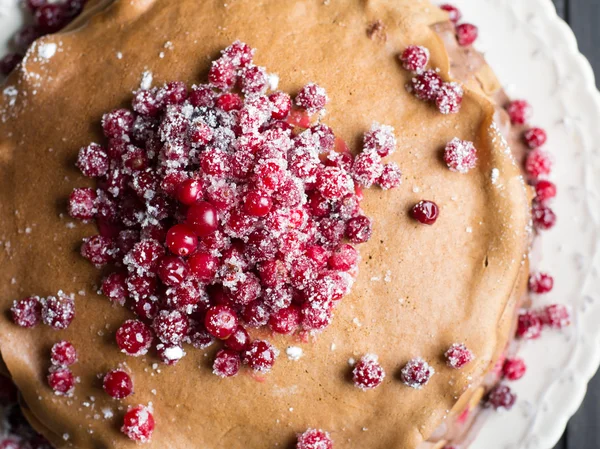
x=368, y=373
x=256, y=314
x=460, y=155
x=253, y=80
x=118, y=123
x=391, y=177
x=134, y=338
x=277, y=298
x=222, y=74
x=449, y=98
x=453, y=12
x=189, y=192
x=170, y=326
x=535, y=137
x=200, y=133
x=380, y=138
x=519, y=112
x=556, y=316
x=227, y=363
x=257, y=204
x=117, y=384
x=181, y=240
x=540, y=283
x=466, y=34
x=425, y=212
x=50, y=18
x=334, y=183
x=63, y=353
x=27, y=312
x=312, y=98
x=343, y=258
x=203, y=266
x=58, y=311
x=221, y=321
x=285, y=321
x=138, y=424
x=9, y=62
x=359, y=229
x=229, y=102
x=282, y=105
x=426, y=85
x=202, y=218
x=172, y=270
x=174, y=92
x=458, y=355
x=415, y=58
x=544, y=190
x=543, y=217
x=62, y=381
x=202, y=95
x=144, y=257
x=501, y=397
x=316, y=316
x=367, y=168
x=199, y=337
x=260, y=356
x=92, y=160
x=416, y=373
x=314, y=439
x=141, y=287
x=146, y=103
x=538, y=164
x=239, y=53
x=514, y=369
x=529, y=325
x=238, y=341
x=98, y=249
x=273, y=273
x=246, y=290
x=145, y=308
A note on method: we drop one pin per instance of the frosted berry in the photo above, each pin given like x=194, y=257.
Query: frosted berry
x=311, y=97
x=222, y=74
x=144, y=257
x=282, y=104
x=181, y=240
x=170, y=326
x=501, y=396
x=416, y=373
x=466, y=34
x=460, y=155
x=63, y=353
x=368, y=373
x=92, y=160
x=27, y=312
x=140, y=287
x=540, y=283
x=172, y=270
x=99, y=250
x=391, y=176
x=449, y=98
x=519, y=112
x=544, y=190
x=202, y=218
x=256, y=314
x=538, y=164
x=260, y=356
x=58, y=311
x=343, y=258
x=174, y=92
x=229, y=102
x=239, y=53
x=453, y=12
x=535, y=137
x=425, y=212
x=189, y=192
x=415, y=58
x=227, y=363
x=529, y=325
x=203, y=266
x=117, y=124
x=514, y=369
x=556, y=316
x=134, y=338
x=82, y=204
x=62, y=381
x=458, y=355
x=543, y=217
x=285, y=321
x=359, y=229
x=314, y=439
x=238, y=341
x=138, y=424
x=257, y=204
x=426, y=85
x=367, y=168
x=253, y=80
x=221, y=321
x=117, y=384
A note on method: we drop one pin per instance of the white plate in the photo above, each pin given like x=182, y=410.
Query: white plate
x=535, y=54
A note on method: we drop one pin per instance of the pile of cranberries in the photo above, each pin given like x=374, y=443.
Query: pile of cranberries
x=49, y=16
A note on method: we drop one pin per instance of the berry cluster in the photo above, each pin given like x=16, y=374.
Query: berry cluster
x=48, y=17
x=54, y=311
x=531, y=322
x=60, y=377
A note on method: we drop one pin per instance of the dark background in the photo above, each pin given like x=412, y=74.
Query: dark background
x=583, y=431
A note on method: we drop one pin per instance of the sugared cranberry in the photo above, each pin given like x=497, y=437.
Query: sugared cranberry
x=535, y=137
x=416, y=373
x=285, y=321
x=58, y=311
x=62, y=381
x=117, y=384
x=501, y=396
x=256, y=314
x=174, y=92
x=82, y=203
x=27, y=312
x=98, y=249
x=544, y=190
x=449, y=98
x=368, y=373
x=140, y=287
x=415, y=58
x=203, y=266
x=425, y=212
x=282, y=104
x=453, y=12
x=466, y=34
x=260, y=356
x=222, y=74
x=519, y=112
x=246, y=290
x=170, y=326
x=63, y=353
x=253, y=80
x=458, y=355
x=172, y=270
x=543, y=216
x=529, y=325
x=316, y=315
x=189, y=192
x=343, y=258
x=9, y=62
x=229, y=102
x=367, y=168
x=238, y=341
x=314, y=439
x=239, y=53
x=257, y=204
x=334, y=183
x=199, y=337
x=145, y=308
x=538, y=164
x=92, y=160
x=146, y=103
x=312, y=98
x=556, y=316
x=359, y=229
x=514, y=369
x=181, y=240
x=426, y=85
x=138, y=424
x=221, y=321
x=118, y=123
x=51, y=17
x=134, y=338
x=460, y=155
x=540, y=283
x=227, y=363
x=202, y=218
x=391, y=176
